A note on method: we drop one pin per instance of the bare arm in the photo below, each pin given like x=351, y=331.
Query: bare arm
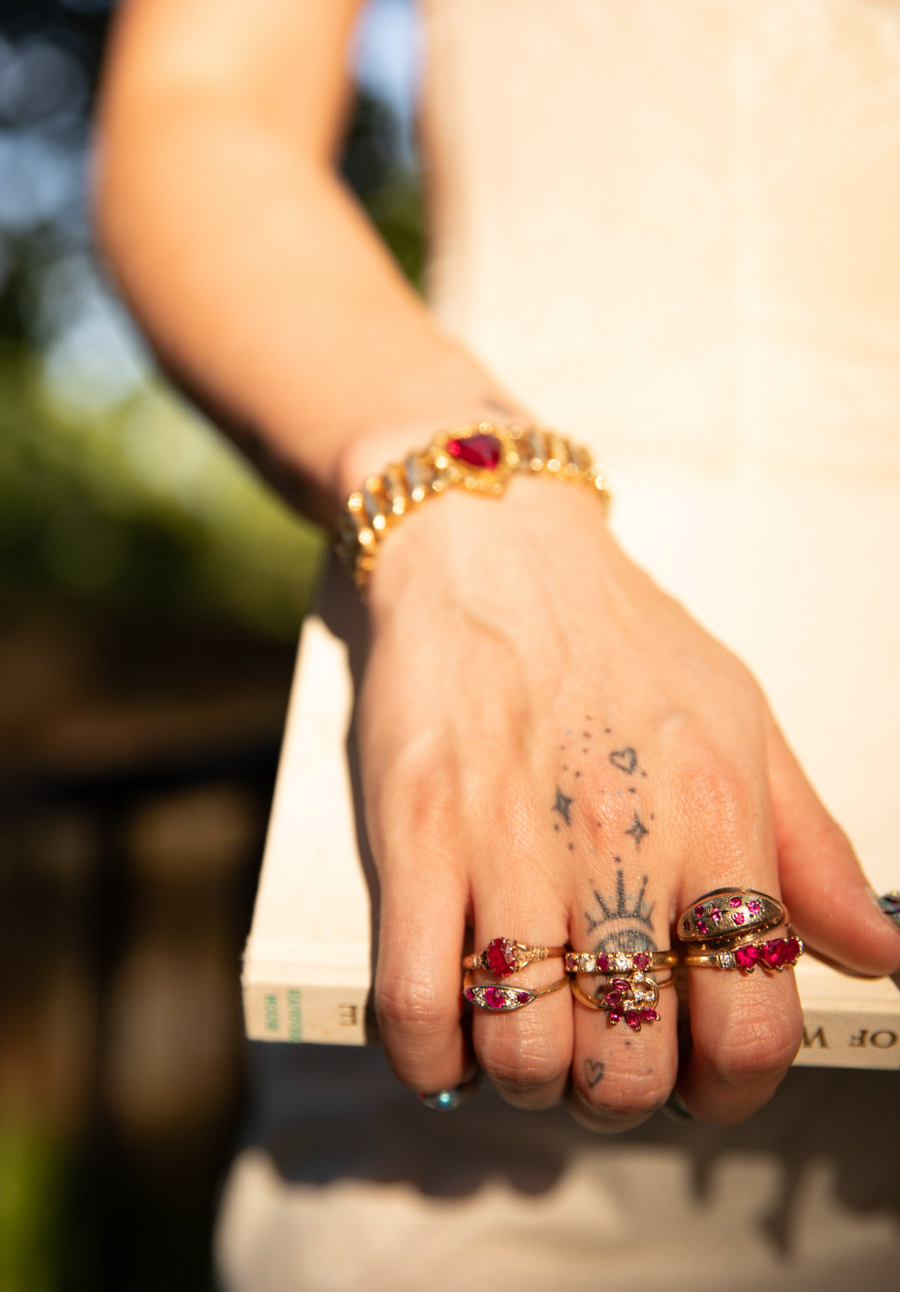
x=256, y=275
x=551, y=749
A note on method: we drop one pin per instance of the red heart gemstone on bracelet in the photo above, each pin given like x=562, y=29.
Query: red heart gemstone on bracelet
x=500, y=958
x=477, y=450
x=791, y=951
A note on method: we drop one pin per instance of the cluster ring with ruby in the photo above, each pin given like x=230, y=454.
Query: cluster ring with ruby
x=504, y=956
x=633, y=999
x=729, y=914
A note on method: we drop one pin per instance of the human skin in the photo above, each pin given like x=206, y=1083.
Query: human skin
x=551, y=748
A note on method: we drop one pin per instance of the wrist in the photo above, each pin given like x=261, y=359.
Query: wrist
x=481, y=458
x=540, y=537
x=371, y=452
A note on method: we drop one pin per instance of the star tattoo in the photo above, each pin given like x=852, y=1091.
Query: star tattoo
x=562, y=806
x=637, y=831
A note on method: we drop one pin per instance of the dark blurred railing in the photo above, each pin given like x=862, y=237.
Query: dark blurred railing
x=132, y=823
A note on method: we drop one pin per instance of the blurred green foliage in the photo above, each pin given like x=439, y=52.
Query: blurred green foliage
x=127, y=498
x=33, y=1169
x=139, y=504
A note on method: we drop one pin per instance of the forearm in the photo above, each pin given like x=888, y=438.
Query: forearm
x=267, y=293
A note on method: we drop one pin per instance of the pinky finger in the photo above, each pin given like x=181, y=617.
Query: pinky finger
x=418, y=981
x=829, y=897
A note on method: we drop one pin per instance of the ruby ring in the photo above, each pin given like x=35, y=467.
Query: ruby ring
x=503, y=1000
x=505, y=956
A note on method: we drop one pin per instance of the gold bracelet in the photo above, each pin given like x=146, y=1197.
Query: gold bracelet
x=480, y=458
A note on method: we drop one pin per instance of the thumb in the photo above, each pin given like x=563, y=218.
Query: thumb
x=830, y=901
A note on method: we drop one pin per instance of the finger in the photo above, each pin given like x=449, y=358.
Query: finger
x=746, y=1028
x=829, y=897
x=417, y=984
x=621, y=1077
x=622, y=1074
x=527, y=1052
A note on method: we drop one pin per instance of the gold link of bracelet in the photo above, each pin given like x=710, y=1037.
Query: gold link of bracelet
x=481, y=458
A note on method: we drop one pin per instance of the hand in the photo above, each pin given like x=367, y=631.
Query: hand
x=554, y=751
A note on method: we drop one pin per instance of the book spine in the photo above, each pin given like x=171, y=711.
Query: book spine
x=832, y=1037
x=326, y=1015
x=847, y=1037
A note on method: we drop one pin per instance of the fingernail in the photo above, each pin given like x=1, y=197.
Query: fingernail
x=890, y=904
x=447, y=1101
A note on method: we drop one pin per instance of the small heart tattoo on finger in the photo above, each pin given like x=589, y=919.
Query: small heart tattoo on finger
x=593, y=1071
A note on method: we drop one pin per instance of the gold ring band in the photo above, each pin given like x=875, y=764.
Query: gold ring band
x=503, y=1000
x=773, y=954
x=505, y=956
x=730, y=913
x=617, y=962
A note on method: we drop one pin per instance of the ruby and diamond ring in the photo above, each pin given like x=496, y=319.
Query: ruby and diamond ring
x=619, y=962
x=505, y=956
x=732, y=928
x=632, y=994
x=503, y=1000
x=631, y=999
x=775, y=954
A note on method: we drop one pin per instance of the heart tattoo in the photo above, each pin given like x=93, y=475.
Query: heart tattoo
x=593, y=1071
x=624, y=759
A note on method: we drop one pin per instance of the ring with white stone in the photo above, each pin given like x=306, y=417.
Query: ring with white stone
x=503, y=1000
x=633, y=999
x=619, y=962
x=775, y=954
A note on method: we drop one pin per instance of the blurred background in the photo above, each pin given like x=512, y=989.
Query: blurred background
x=151, y=593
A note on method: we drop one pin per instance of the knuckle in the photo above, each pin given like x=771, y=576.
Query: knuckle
x=633, y=1099
x=411, y=1008
x=719, y=792
x=523, y=1069
x=762, y=1047
x=421, y=792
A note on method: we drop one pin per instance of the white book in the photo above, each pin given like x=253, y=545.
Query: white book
x=307, y=969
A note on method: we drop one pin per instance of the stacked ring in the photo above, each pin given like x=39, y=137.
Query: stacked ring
x=730, y=913
x=505, y=956
x=618, y=962
x=503, y=1000
x=631, y=994
x=633, y=999
x=775, y=954
x=726, y=928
